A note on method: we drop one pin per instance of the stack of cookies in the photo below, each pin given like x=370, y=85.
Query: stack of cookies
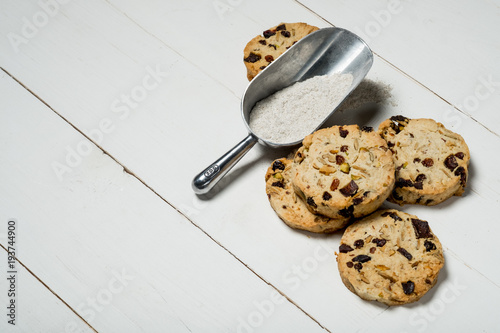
x=342, y=175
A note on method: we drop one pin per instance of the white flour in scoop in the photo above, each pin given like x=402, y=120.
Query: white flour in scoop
x=294, y=112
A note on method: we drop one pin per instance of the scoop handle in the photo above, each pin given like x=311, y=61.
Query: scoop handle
x=208, y=178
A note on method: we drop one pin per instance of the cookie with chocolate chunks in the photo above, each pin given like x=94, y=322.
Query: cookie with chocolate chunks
x=265, y=48
x=431, y=161
x=343, y=171
x=390, y=257
x=291, y=208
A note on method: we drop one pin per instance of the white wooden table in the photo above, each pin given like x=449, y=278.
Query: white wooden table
x=109, y=108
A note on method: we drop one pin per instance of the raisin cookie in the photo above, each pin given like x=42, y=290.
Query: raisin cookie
x=431, y=161
x=343, y=171
x=262, y=50
x=289, y=207
x=390, y=257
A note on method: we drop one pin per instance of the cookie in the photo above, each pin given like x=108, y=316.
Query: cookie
x=343, y=171
x=265, y=48
x=431, y=161
x=289, y=207
x=390, y=257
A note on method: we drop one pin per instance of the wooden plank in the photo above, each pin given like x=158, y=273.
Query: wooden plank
x=449, y=46
x=112, y=249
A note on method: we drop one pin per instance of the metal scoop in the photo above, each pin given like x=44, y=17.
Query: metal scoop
x=323, y=52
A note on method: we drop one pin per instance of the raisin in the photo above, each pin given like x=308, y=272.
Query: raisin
x=327, y=196
x=396, y=196
x=286, y=33
x=284, y=206
x=357, y=201
x=367, y=129
x=278, y=184
x=344, y=248
x=379, y=242
x=412, y=136
x=344, y=148
x=463, y=175
x=366, y=193
x=390, y=144
x=362, y=258
x=428, y=162
x=418, y=185
x=272, y=45
x=421, y=178
x=339, y=159
x=349, y=264
x=408, y=287
x=343, y=133
x=429, y=246
x=358, y=266
x=400, y=182
x=422, y=229
x=252, y=57
x=451, y=162
x=269, y=58
x=405, y=253
x=350, y=189
x=262, y=67
x=263, y=42
x=416, y=160
x=310, y=202
x=347, y=212
x=359, y=243
x=280, y=27
x=269, y=33
x=278, y=165
x=428, y=281
x=460, y=155
x=372, y=250
x=335, y=184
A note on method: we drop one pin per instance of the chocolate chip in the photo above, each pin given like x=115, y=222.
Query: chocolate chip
x=344, y=148
x=428, y=162
x=463, y=175
x=408, y=287
x=405, y=253
x=350, y=189
x=451, y=162
x=349, y=264
x=396, y=196
x=263, y=42
x=284, y=206
x=262, y=67
x=359, y=243
x=418, y=185
x=429, y=246
x=344, y=248
x=361, y=258
x=272, y=45
x=428, y=281
x=390, y=144
x=279, y=184
x=278, y=165
x=460, y=155
x=394, y=216
x=420, y=178
x=422, y=229
x=310, y=202
x=357, y=201
x=401, y=182
x=335, y=184
x=269, y=58
x=358, y=266
x=327, y=196
x=366, y=193
x=269, y=33
x=379, y=242
x=416, y=160
x=399, y=118
x=347, y=212
x=252, y=57
x=343, y=133
x=280, y=27
x=339, y=159
x=367, y=129
x=286, y=33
